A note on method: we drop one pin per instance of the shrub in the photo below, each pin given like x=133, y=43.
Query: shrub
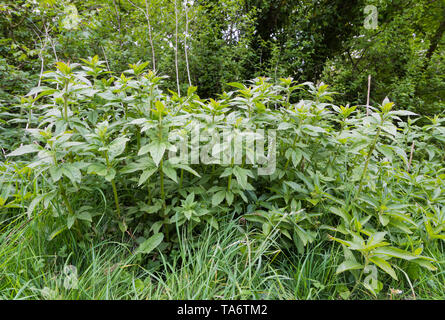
x=372, y=184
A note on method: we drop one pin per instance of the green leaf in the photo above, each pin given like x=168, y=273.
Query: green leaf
x=344, y=292
x=403, y=113
x=72, y=173
x=229, y=197
x=237, y=85
x=56, y=173
x=107, y=95
x=56, y=233
x=295, y=186
x=344, y=242
x=86, y=216
x=70, y=221
x=122, y=226
x=426, y=264
x=145, y=175
x=156, y=150
x=116, y=147
x=241, y=177
x=313, y=130
x=218, y=197
x=284, y=126
x=396, y=252
x=267, y=227
x=151, y=243
x=111, y=173
x=144, y=149
x=97, y=168
x=34, y=203
x=348, y=265
x=252, y=217
x=170, y=172
x=188, y=214
x=186, y=168
x=384, y=265
x=42, y=89
x=341, y=213
x=24, y=150
x=213, y=222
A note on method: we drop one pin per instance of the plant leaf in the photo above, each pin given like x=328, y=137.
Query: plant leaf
x=151, y=243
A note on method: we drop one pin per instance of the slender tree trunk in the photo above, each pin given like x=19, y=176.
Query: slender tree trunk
x=150, y=38
x=176, y=47
x=42, y=65
x=185, y=43
x=369, y=92
x=118, y=17
x=434, y=43
x=105, y=56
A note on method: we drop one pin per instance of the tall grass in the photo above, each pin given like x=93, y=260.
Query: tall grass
x=233, y=263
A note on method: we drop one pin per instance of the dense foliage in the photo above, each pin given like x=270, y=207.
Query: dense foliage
x=209, y=43
x=373, y=183
x=137, y=158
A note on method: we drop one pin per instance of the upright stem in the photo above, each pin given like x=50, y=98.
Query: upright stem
x=164, y=215
x=288, y=96
x=113, y=185
x=293, y=146
x=229, y=182
x=181, y=179
x=65, y=198
x=65, y=101
x=148, y=191
x=138, y=137
x=411, y=156
x=116, y=199
x=360, y=276
x=161, y=176
x=368, y=157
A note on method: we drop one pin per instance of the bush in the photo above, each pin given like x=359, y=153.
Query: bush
x=371, y=184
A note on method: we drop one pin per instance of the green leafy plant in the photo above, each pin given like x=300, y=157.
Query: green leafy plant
x=339, y=174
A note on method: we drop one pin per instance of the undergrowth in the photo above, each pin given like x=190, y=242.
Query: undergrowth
x=113, y=189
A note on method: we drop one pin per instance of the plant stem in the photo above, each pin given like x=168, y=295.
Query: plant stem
x=138, y=138
x=113, y=185
x=116, y=199
x=371, y=150
x=293, y=146
x=149, y=191
x=65, y=198
x=181, y=179
x=360, y=277
x=164, y=216
x=229, y=182
x=65, y=101
x=161, y=174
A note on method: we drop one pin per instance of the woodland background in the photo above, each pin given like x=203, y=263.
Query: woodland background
x=209, y=43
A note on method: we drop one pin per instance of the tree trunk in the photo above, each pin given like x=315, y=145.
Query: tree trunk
x=185, y=43
x=176, y=47
x=150, y=38
x=434, y=43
